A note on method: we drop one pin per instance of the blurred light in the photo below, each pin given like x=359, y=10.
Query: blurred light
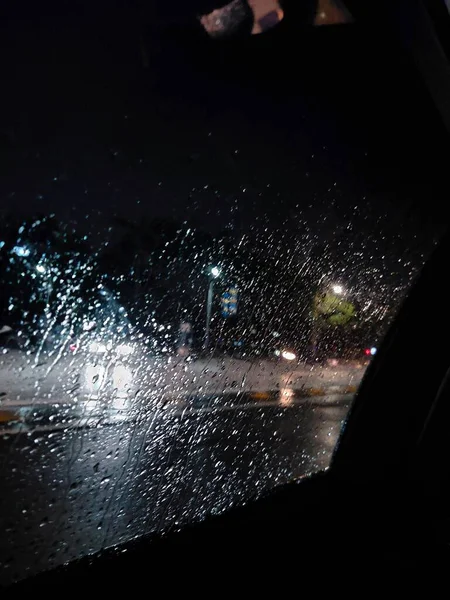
x=215, y=272
x=40, y=269
x=277, y=353
x=286, y=396
x=97, y=348
x=275, y=334
x=125, y=349
x=338, y=289
x=120, y=402
x=373, y=351
x=95, y=377
x=288, y=355
x=122, y=377
x=367, y=351
x=88, y=325
x=22, y=251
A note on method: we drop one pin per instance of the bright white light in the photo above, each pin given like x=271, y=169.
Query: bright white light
x=286, y=396
x=277, y=353
x=40, y=269
x=215, y=272
x=97, y=348
x=125, y=349
x=120, y=402
x=21, y=251
x=373, y=351
x=95, y=377
x=338, y=289
x=88, y=325
x=122, y=377
x=288, y=355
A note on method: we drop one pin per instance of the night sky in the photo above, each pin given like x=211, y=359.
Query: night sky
x=130, y=109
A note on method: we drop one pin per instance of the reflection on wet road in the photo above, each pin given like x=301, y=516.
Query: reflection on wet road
x=144, y=379
x=71, y=490
x=120, y=409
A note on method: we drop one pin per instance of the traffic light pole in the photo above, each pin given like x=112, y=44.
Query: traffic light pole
x=209, y=301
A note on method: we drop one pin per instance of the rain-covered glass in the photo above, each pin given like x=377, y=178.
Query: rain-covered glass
x=204, y=235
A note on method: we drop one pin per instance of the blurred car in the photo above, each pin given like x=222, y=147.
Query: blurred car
x=10, y=339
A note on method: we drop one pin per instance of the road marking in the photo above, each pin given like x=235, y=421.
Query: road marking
x=7, y=416
x=259, y=395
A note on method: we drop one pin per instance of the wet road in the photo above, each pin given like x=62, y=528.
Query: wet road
x=71, y=488
x=26, y=380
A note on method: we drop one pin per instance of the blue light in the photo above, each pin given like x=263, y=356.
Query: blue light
x=373, y=351
x=21, y=251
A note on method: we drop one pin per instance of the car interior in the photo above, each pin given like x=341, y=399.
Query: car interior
x=385, y=497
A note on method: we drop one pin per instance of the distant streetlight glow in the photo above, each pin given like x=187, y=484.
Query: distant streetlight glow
x=40, y=269
x=215, y=272
x=21, y=251
x=338, y=289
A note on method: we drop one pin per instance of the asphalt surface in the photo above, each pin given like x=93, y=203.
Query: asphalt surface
x=72, y=485
x=27, y=380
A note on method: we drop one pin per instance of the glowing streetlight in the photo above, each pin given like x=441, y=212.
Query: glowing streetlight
x=215, y=272
x=21, y=251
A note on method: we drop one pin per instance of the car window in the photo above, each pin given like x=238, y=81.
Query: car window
x=204, y=236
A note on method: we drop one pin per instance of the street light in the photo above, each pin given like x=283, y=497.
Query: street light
x=214, y=273
x=21, y=251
